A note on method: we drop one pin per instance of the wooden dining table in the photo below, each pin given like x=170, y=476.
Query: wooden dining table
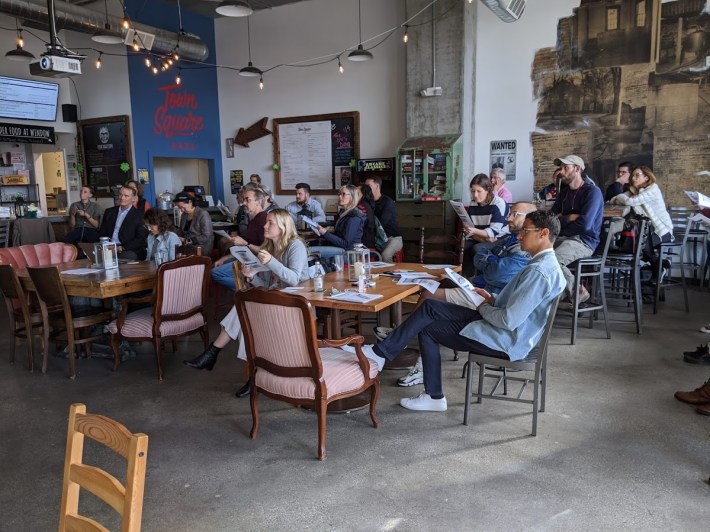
x=128, y=278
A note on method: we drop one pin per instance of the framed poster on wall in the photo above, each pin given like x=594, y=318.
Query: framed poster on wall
x=106, y=146
x=316, y=149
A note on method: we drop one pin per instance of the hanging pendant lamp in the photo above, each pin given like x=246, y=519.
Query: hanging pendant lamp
x=107, y=35
x=360, y=54
x=234, y=8
x=19, y=53
x=250, y=71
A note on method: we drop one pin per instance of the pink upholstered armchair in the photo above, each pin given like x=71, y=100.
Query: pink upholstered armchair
x=178, y=308
x=288, y=363
x=38, y=254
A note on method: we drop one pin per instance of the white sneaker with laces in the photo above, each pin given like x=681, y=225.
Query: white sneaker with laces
x=414, y=377
x=369, y=353
x=383, y=332
x=424, y=402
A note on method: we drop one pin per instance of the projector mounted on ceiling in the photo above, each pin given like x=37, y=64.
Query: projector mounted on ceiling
x=506, y=10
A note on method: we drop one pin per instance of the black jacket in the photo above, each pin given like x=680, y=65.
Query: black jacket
x=132, y=234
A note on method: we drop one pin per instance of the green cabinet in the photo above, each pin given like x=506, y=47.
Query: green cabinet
x=429, y=168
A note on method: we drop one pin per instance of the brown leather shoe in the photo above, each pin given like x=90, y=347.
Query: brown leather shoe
x=703, y=410
x=699, y=396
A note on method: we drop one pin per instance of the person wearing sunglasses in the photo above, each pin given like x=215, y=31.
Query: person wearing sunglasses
x=348, y=227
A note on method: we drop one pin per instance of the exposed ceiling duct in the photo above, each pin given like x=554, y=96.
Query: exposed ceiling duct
x=506, y=10
x=77, y=18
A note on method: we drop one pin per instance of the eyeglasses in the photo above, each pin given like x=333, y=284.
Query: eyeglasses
x=513, y=214
x=531, y=229
x=638, y=174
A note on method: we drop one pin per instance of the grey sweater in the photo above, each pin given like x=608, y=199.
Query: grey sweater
x=291, y=270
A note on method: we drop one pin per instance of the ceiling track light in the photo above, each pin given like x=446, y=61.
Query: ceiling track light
x=250, y=71
x=107, y=35
x=360, y=54
x=19, y=54
x=234, y=8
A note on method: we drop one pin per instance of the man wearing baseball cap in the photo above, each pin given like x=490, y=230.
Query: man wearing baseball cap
x=579, y=205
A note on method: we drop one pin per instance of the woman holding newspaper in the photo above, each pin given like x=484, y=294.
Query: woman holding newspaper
x=348, y=229
x=487, y=220
x=281, y=261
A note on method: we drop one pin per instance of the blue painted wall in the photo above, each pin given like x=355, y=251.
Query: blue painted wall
x=170, y=120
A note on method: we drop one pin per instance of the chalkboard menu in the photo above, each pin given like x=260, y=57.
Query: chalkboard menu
x=106, y=144
x=317, y=150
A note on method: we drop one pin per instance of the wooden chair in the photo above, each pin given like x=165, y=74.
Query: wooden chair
x=4, y=233
x=440, y=247
x=26, y=320
x=536, y=362
x=289, y=364
x=126, y=499
x=59, y=318
x=178, y=308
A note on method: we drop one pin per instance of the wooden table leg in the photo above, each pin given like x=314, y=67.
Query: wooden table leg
x=335, y=323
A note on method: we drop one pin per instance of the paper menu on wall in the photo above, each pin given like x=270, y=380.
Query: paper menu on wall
x=460, y=210
x=244, y=255
x=701, y=200
x=466, y=286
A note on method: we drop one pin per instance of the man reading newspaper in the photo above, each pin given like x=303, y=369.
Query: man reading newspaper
x=507, y=326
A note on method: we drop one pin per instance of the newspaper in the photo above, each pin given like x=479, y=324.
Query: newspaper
x=354, y=297
x=466, y=286
x=697, y=217
x=462, y=214
x=699, y=199
x=428, y=284
x=244, y=255
x=310, y=222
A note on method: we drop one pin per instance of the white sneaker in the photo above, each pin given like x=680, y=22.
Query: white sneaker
x=705, y=328
x=383, y=332
x=414, y=377
x=424, y=402
x=369, y=353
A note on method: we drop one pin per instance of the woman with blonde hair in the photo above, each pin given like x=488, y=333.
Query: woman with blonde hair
x=285, y=255
x=348, y=227
x=645, y=198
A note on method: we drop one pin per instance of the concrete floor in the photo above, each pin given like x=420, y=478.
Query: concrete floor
x=614, y=449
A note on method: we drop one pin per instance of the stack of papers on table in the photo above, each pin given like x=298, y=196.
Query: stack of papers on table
x=354, y=297
x=83, y=271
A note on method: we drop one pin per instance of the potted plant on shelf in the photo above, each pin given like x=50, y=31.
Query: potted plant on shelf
x=32, y=211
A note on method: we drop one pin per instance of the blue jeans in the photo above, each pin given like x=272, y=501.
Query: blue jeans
x=224, y=275
x=437, y=323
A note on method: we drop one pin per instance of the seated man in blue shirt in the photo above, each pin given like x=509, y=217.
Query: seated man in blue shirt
x=507, y=326
x=579, y=205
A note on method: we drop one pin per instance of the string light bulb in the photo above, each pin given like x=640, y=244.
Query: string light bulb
x=148, y=62
x=135, y=45
x=406, y=34
x=155, y=69
x=20, y=40
x=98, y=61
x=261, y=83
x=178, y=79
x=125, y=23
x=176, y=57
x=340, y=66
x=170, y=61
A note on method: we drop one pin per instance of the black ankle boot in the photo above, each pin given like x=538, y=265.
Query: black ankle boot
x=244, y=390
x=206, y=360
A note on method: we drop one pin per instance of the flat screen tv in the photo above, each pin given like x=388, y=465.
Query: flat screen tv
x=28, y=99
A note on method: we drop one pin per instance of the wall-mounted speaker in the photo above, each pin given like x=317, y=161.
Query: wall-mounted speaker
x=69, y=113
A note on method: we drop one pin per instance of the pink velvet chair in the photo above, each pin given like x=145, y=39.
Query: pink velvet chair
x=178, y=308
x=288, y=363
x=38, y=254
